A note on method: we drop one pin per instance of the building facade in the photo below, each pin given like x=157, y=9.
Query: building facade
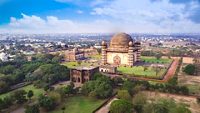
x=122, y=51
x=82, y=75
x=74, y=55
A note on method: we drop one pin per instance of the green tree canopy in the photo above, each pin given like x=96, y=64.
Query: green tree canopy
x=121, y=106
x=189, y=69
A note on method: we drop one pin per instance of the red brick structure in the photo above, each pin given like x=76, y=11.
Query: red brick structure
x=82, y=74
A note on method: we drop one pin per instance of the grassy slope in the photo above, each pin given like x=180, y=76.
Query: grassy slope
x=75, y=64
x=79, y=104
x=36, y=91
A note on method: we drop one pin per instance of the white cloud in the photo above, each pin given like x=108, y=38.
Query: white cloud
x=79, y=11
x=35, y=24
x=142, y=16
x=148, y=16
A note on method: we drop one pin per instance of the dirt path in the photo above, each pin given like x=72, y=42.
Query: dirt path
x=105, y=108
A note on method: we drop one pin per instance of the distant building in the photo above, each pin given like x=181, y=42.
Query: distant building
x=3, y=57
x=90, y=52
x=108, y=69
x=74, y=55
x=80, y=54
x=82, y=74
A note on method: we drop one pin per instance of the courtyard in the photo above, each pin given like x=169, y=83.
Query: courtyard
x=154, y=60
x=150, y=72
x=150, y=67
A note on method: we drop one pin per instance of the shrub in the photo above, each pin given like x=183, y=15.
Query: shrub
x=121, y=106
x=189, y=69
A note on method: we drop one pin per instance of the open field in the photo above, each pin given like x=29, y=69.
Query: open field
x=36, y=91
x=139, y=71
x=188, y=60
x=188, y=100
x=192, y=82
x=79, y=104
x=154, y=60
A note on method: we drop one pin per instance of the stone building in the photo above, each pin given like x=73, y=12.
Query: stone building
x=108, y=69
x=122, y=51
x=80, y=54
x=74, y=55
x=90, y=51
x=82, y=74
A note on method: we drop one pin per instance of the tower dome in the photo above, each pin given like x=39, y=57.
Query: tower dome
x=120, y=40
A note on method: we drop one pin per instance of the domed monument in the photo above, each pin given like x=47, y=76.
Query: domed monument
x=122, y=51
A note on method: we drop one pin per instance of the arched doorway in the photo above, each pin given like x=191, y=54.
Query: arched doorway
x=117, y=60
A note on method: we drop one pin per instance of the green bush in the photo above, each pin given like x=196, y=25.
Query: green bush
x=189, y=69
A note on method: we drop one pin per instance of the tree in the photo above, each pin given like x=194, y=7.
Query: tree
x=46, y=102
x=158, y=56
x=180, y=108
x=124, y=94
x=117, y=81
x=189, y=69
x=20, y=96
x=30, y=94
x=32, y=109
x=121, y=106
x=102, y=87
x=69, y=89
x=198, y=100
x=139, y=101
x=63, y=109
x=3, y=86
x=128, y=85
x=55, y=96
x=145, y=68
x=92, y=94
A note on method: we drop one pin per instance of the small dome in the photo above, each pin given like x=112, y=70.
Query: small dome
x=120, y=40
x=130, y=43
x=103, y=43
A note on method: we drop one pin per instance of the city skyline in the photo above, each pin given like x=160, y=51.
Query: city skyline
x=99, y=16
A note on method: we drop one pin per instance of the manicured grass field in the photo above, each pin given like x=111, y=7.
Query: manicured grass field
x=1, y=75
x=78, y=104
x=98, y=57
x=36, y=91
x=139, y=71
x=154, y=60
x=75, y=64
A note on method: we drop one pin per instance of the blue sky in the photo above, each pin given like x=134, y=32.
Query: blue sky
x=94, y=16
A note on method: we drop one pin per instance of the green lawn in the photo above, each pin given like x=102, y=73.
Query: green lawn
x=79, y=104
x=139, y=71
x=98, y=57
x=2, y=75
x=75, y=64
x=154, y=60
x=36, y=91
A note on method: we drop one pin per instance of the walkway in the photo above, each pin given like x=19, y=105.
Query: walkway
x=105, y=108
